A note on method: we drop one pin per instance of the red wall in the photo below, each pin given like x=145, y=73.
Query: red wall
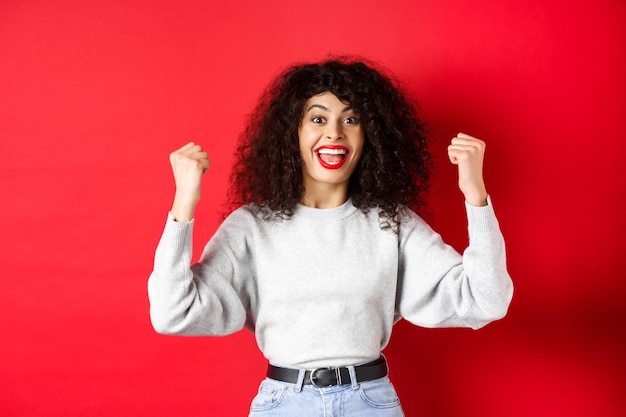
x=94, y=95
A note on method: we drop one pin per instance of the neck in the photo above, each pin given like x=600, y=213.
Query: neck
x=330, y=196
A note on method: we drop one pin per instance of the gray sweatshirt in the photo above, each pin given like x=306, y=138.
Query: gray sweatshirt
x=325, y=287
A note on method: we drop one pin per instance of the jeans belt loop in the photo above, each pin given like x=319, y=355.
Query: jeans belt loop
x=300, y=380
x=354, y=383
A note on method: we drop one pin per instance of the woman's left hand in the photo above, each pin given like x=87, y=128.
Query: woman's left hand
x=468, y=153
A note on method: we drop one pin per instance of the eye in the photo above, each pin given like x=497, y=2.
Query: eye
x=317, y=119
x=353, y=120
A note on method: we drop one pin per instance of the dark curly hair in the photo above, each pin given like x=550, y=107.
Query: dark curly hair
x=393, y=171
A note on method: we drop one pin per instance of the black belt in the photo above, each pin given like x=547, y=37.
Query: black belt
x=327, y=377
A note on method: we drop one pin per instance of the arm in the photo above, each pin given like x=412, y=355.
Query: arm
x=485, y=256
x=439, y=287
x=185, y=299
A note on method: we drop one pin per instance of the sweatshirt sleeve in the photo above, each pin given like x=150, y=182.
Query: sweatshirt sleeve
x=438, y=287
x=199, y=299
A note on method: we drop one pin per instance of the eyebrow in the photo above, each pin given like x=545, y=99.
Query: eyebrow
x=319, y=106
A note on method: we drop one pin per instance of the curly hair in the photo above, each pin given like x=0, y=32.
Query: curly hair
x=393, y=171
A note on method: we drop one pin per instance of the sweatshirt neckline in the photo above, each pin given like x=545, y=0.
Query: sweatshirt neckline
x=336, y=213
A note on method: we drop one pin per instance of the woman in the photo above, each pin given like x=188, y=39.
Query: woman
x=323, y=250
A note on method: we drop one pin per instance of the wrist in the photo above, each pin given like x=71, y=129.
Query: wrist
x=183, y=209
x=476, y=200
x=477, y=197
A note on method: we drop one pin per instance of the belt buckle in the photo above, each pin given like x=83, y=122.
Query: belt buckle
x=314, y=378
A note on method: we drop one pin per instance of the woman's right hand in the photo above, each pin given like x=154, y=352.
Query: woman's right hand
x=188, y=165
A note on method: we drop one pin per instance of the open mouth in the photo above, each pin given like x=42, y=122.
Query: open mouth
x=332, y=157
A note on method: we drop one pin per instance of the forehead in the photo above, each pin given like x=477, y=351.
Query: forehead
x=326, y=101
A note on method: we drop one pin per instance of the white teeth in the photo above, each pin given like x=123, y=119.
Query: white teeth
x=332, y=151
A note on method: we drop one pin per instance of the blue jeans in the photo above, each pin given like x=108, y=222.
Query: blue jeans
x=375, y=398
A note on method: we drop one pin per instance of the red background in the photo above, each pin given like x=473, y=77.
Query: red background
x=95, y=94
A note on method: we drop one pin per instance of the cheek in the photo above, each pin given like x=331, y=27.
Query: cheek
x=306, y=139
x=359, y=146
x=301, y=139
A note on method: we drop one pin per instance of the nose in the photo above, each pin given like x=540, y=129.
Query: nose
x=334, y=131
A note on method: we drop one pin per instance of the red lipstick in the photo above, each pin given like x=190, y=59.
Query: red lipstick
x=332, y=156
